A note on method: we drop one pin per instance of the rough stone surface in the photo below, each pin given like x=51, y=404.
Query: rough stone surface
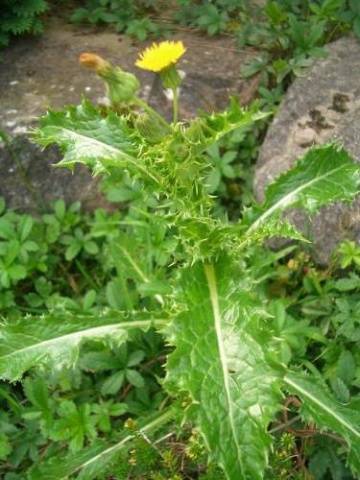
x=319, y=107
x=29, y=182
x=37, y=73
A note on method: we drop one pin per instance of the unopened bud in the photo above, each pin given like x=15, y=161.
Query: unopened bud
x=150, y=128
x=94, y=62
x=121, y=86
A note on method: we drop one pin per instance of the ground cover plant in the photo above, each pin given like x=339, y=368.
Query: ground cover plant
x=130, y=17
x=290, y=35
x=276, y=23
x=180, y=286
x=20, y=16
x=288, y=32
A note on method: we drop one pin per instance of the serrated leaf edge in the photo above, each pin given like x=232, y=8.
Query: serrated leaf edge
x=307, y=394
x=287, y=199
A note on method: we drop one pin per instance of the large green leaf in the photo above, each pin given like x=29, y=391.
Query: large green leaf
x=324, y=175
x=327, y=413
x=55, y=339
x=85, y=136
x=95, y=460
x=220, y=362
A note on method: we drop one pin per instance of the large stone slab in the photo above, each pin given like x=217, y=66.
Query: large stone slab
x=323, y=105
x=43, y=72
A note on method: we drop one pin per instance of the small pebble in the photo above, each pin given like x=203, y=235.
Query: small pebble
x=87, y=89
x=12, y=111
x=10, y=124
x=13, y=82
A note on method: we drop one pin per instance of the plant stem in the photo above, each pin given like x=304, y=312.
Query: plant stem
x=138, y=271
x=175, y=104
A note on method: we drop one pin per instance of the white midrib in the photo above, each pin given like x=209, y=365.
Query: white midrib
x=288, y=198
x=307, y=394
x=115, y=150
x=85, y=333
x=211, y=279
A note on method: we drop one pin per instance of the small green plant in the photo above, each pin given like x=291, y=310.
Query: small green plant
x=126, y=16
x=131, y=17
x=20, y=16
x=235, y=357
x=349, y=253
x=292, y=34
x=213, y=17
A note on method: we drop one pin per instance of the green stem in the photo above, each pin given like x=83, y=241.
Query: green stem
x=138, y=270
x=150, y=111
x=175, y=104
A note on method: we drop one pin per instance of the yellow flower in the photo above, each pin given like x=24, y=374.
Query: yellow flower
x=160, y=56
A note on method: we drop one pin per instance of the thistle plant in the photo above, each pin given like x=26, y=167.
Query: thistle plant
x=227, y=372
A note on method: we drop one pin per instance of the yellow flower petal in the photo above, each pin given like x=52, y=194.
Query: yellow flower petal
x=160, y=56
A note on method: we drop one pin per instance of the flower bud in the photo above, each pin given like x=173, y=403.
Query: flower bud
x=121, y=86
x=94, y=62
x=150, y=128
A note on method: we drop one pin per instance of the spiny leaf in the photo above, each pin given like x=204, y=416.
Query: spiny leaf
x=85, y=136
x=209, y=129
x=220, y=362
x=55, y=340
x=206, y=238
x=327, y=413
x=274, y=227
x=324, y=175
x=95, y=460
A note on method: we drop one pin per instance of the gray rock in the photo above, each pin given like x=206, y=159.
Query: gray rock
x=29, y=182
x=38, y=73
x=323, y=105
